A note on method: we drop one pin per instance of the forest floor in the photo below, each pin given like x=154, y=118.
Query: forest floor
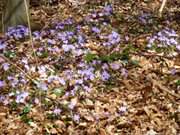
x=95, y=69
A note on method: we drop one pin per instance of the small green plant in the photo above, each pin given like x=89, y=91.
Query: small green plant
x=24, y=114
x=26, y=109
x=90, y=57
x=13, y=105
x=51, y=116
x=10, y=54
x=59, y=91
x=178, y=83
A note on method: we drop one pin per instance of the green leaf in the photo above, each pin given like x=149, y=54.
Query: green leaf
x=178, y=82
x=90, y=57
x=26, y=109
x=58, y=91
x=10, y=54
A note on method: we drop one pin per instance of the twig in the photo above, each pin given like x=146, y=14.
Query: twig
x=17, y=67
x=30, y=32
x=162, y=7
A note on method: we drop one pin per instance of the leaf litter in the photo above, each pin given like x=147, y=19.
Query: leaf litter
x=103, y=68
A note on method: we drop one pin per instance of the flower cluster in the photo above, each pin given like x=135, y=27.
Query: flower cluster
x=2, y=45
x=21, y=97
x=113, y=39
x=18, y=32
x=164, y=39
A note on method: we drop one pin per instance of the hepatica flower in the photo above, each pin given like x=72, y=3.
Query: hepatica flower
x=87, y=73
x=173, y=71
x=112, y=39
x=2, y=45
x=13, y=81
x=56, y=78
x=37, y=35
x=105, y=75
x=122, y=110
x=72, y=105
x=76, y=118
x=164, y=38
x=42, y=71
x=59, y=26
x=57, y=111
x=18, y=32
x=80, y=39
x=65, y=36
x=69, y=21
x=51, y=41
x=115, y=66
x=96, y=30
x=4, y=100
x=43, y=86
x=2, y=84
x=68, y=47
x=178, y=47
x=108, y=10
x=21, y=97
x=145, y=18
x=5, y=66
x=124, y=72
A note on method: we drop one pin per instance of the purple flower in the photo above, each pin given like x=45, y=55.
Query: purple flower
x=178, y=47
x=60, y=26
x=57, y=111
x=80, y=39
x=36, y=35
x=115, y=66
x=56, y=78
x=78, y=52
x=86, y=88
x=173, y=71
x=164, y=38
x=88, y=18
x=105, y=66
x=122, y=110
x=108, y=10
x=79, y=81
x=62, y=81
x=124, y=72
x=13, y=81
x=96, y=30
x=67, y=48
x=68, y=74
x=2, y=45
x=51, y=41
x=113, y=38
x=145, y=18
x=17, y=32
x=42, y=86
x=72, y=105
x=76, y=118
x=88, y=73
x=21, y=97
x=2, y=83
x=4, y=100
x=5, y=66
x=105, y=75
x=68, y=21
